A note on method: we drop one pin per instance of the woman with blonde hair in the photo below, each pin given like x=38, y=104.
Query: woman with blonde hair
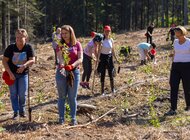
x=16, y=60
x=70, y=55
x=180, y=69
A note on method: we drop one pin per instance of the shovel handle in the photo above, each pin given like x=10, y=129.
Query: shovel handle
x=118, y=69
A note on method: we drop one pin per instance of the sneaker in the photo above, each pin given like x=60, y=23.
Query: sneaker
x=73, y=122
x=61, y=121
x=142, y=62
x=15, y=116
x=170, y=113
x=103, y=94
x=87, y=85
x=114, y=91
x=22, y=115
x=82, y=84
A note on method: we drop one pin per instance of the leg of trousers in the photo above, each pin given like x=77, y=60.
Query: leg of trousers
x=150, y=39
x=111, y=72
x=186, y=82
x=18, y=93
x=175, y=77
x=87, y=68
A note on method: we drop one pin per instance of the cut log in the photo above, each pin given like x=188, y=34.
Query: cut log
x=85, y=108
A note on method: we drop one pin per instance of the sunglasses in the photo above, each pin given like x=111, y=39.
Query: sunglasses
x=177, y=29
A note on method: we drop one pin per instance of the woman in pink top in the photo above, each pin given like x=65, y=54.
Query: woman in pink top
x=91, y=48
x=70, y=50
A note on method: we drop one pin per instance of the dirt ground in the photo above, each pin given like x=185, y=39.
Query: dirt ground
x=135, y=112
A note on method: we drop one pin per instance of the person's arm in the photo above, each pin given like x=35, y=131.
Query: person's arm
x=96, y=51
x=28, y=63
x=168, y=33
x=7, y=68
x=113, y=52
x=146, y=53
x=59, y=56
x=79, y=60
x=148, y=32
x=172, y=54
x=80, y=56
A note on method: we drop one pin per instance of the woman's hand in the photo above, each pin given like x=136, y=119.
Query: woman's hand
x=12, y=77
x=21, y=68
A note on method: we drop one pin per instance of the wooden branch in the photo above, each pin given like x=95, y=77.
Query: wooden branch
x=84, y=125
x=87, y=106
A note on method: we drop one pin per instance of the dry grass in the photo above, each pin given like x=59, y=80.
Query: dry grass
x=136, y=86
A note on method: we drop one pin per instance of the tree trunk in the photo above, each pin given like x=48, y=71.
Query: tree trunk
x=8, y=24
x=185, y=12
x=173, y=11
x=157, y=13
x=166, y=13
x=163, y=5
x=25, y=14
x=148, y=11
x=18, y=17
x=45, y=20
x=84, y=17
x=4, y=33
x=131, y=17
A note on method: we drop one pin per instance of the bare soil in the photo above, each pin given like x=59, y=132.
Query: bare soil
x=141, y=99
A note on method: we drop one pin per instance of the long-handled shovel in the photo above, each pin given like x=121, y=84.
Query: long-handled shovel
x=95, y=68
x=94, y=76
x=118, y=70
x=29, y=108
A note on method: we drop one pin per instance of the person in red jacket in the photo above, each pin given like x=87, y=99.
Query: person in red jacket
x=152, y=53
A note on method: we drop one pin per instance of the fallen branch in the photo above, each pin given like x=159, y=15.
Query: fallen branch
x=47, y=129
x=84, y=125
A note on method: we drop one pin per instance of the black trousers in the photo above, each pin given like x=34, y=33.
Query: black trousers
x=87, y=67
x=106, y=62
x=179, y=71
x=149, y=38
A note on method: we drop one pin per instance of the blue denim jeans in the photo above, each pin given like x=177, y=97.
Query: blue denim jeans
x=65, y=90
x=18, y=93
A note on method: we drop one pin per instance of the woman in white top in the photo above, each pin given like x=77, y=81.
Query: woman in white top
x=106, y=59
x=180, y=69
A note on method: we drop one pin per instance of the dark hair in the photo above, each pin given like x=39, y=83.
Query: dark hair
x=177, y=29
x=98, y=38
x=153, y=45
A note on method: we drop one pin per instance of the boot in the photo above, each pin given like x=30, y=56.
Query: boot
x=102, y=88
x=142, y=62
x=112, y=86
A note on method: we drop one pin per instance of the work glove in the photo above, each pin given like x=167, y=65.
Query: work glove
x=69, y=67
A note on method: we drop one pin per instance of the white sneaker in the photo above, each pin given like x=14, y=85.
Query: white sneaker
x=114, y=91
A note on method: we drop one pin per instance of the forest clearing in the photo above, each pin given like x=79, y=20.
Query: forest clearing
x=135, y=112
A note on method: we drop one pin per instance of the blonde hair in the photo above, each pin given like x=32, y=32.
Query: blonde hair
x=22, y=32
x=68, y=28
x=182, y=29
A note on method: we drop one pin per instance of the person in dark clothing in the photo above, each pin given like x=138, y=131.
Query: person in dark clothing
x=17, y=59
x=106, y=59
x=172, y=33
x=149, y=32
